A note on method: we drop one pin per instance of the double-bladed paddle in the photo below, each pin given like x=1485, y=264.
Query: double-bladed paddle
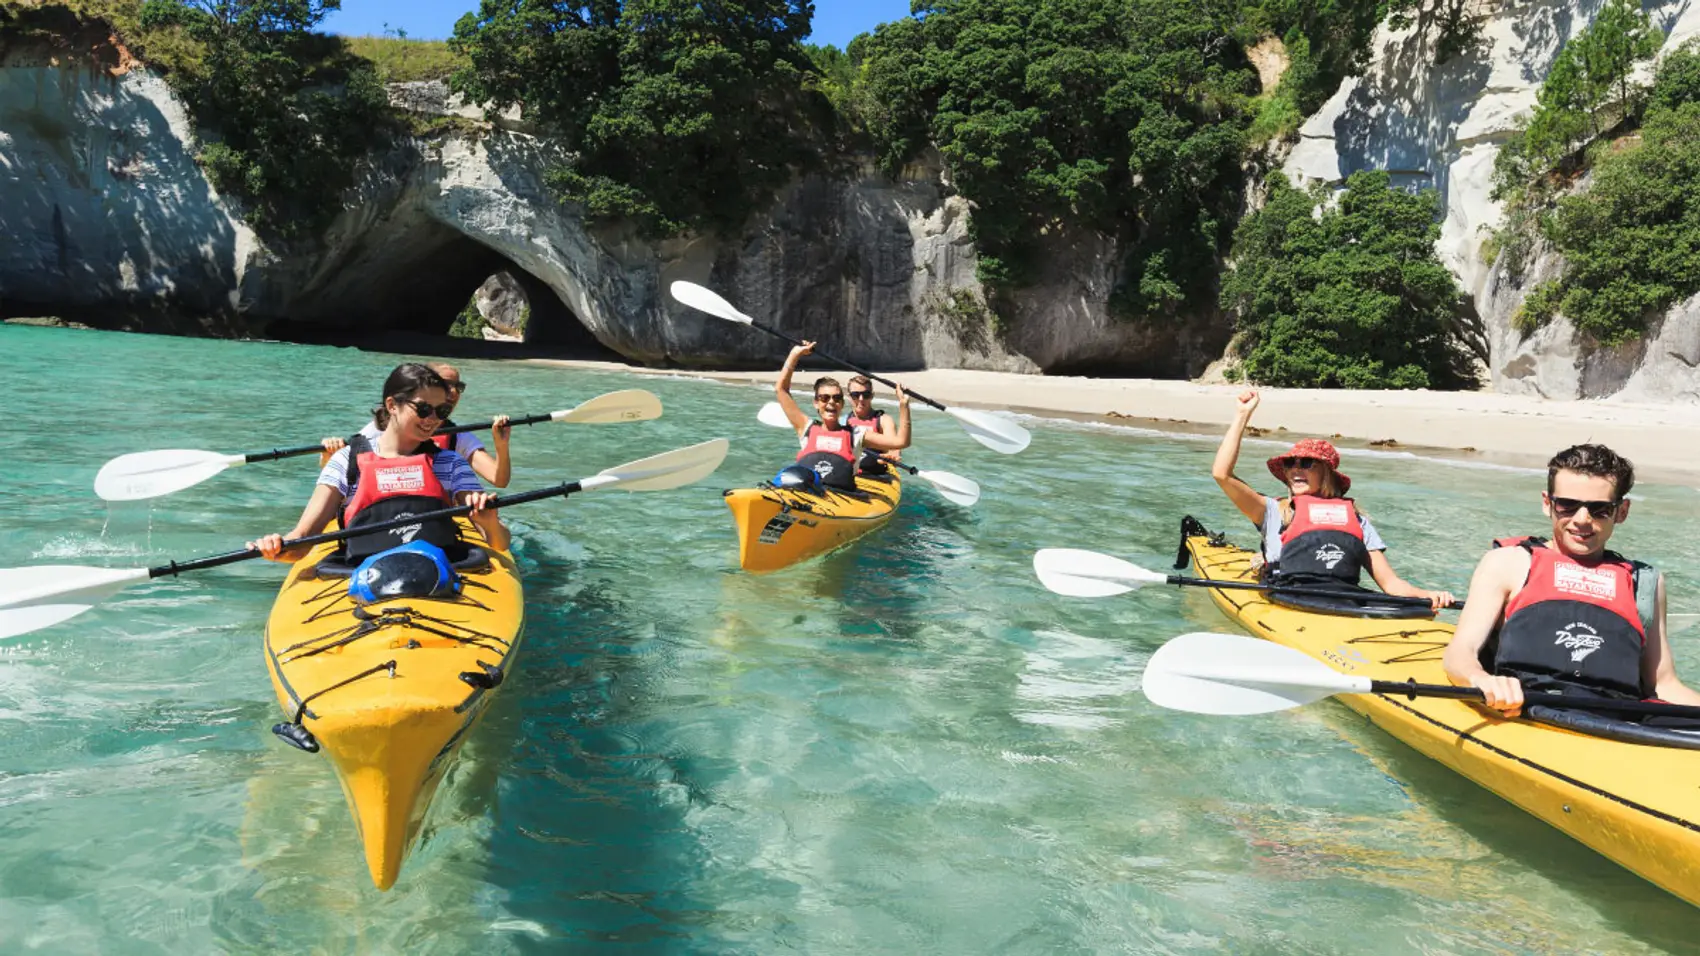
x=1230, y=674
x=150, y=474
x=952, y=487
x=1078, y=573
x=994, y=431
x=38, y=597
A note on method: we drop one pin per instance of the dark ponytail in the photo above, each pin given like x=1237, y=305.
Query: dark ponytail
x=408, y=380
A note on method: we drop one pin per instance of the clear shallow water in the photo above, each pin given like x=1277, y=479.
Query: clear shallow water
x=907, y=747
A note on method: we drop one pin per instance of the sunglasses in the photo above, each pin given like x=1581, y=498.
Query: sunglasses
x=855, y=394
x=1301, y=462
x=835, y=398
x=457, y=386
x=425, y=409
x=1599, y=510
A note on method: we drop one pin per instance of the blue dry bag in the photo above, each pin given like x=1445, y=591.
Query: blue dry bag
x=415, y=569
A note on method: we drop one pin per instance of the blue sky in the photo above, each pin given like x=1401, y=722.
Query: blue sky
x=836, y=21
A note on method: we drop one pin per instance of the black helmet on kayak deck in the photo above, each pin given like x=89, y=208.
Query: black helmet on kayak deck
x=797, y=476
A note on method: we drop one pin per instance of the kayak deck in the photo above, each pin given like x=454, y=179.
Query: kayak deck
x=1637, y=805
x=780, y=527
x=389, y=690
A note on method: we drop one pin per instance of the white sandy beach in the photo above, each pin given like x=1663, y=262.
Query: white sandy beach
x=1662, y=440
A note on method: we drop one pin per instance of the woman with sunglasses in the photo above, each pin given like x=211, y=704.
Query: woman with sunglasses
x=402, y=473
x=495, y=469
x=831, y=445
x=1315, y=535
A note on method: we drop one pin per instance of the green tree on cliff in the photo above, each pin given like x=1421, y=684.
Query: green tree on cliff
x=1589, y=84
x=1123, y=117
x=677, y=113
x=1631, y=242
x=292, y=113
x=1348, y=297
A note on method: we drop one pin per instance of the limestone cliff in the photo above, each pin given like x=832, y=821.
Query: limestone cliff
x=1439, y=121
x=108, y=219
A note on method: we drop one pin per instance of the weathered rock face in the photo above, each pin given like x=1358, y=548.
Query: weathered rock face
x=106, y=212
x=501, y=301
x=1441, y=124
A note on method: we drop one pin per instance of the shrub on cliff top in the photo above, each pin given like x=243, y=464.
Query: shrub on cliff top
x=1351, y=297
x=678, y=114
x=291, y=111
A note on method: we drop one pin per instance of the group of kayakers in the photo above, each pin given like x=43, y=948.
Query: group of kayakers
x=1558, y=614
x=835, y=446
x=1544, y=615
x=413, y=469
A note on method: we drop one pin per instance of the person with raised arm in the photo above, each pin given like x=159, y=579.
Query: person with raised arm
x=830, y=445
x=1314, y=535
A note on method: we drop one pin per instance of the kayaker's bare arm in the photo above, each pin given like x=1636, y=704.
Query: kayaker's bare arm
x=880, y=441
x=1658, y=668
x=888, y=428
x=782, y=388
x=321, y=508
x=485, y=519
x=496, y=469
x=1241, y=494
x=1390, y=582
x=1499, y=573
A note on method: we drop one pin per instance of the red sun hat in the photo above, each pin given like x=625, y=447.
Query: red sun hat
x=1317, y=448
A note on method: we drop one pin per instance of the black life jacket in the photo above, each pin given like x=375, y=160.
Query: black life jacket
x=1576, y=629
x=382, y=489
x=1324, y=543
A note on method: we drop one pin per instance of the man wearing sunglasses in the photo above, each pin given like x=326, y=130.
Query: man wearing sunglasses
x=1563, y=615
x=831, y=445
x=865, y=416
x=495, y=469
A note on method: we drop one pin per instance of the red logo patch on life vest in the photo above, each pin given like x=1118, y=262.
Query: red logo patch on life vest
x=829, y=443
x=406, y=479
x=1575, y=579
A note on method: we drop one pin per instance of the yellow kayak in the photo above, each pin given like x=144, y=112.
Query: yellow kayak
x=781, y=527
x=390, y=689
x=1637, y=805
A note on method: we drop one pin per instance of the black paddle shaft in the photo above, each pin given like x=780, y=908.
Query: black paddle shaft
x=917, y=396
x=276, y=453
x=1305, y=592
x=1412, y=690
x=232, y=557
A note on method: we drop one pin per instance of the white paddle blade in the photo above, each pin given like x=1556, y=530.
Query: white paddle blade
x=673, y=469
x=630, y=405
x=38, y=597
x=1077, y=573
x=704, y=300
x=771, y=414
x=953, y=488
x=996, y=432
x=149, y=474
x=1229, y=674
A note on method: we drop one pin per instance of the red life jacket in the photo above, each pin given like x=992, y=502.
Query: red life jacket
x=1573, y=628
x=831, y=453
x=388, y=488
x=871, y=423
x=1325, y=540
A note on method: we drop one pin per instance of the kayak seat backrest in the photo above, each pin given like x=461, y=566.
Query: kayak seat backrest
x=476, y=559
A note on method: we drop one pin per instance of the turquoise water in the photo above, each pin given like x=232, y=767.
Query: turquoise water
x=907, y=747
